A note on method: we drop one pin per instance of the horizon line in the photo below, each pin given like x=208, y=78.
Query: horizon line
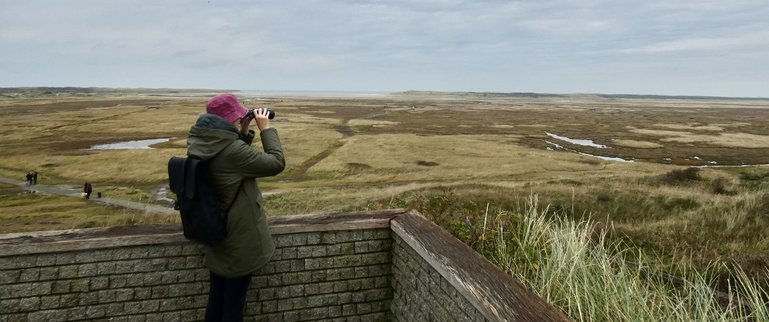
x=293, y=91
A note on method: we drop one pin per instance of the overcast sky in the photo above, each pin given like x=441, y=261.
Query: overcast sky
x=704, y=47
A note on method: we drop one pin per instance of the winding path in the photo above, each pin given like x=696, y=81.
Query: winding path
x=300, y=173
x=67, y=190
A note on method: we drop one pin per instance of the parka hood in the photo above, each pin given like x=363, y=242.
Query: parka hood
x=210, y=135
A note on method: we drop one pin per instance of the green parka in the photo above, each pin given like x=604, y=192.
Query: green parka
x=231, y=159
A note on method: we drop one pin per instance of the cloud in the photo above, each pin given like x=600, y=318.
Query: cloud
x=755, y=39
x=548, y=45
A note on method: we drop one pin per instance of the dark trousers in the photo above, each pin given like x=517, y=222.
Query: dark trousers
x=227, y=298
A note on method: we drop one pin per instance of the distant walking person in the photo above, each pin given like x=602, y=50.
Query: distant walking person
x=29, y=178
x=222, y=139
x=34, y=177
x=87, y=189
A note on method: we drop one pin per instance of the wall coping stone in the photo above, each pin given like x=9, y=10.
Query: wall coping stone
x=95, y=238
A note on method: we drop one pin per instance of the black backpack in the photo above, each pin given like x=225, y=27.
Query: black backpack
x=202, y=218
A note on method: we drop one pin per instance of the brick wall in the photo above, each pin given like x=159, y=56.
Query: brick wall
x=329, y=268
x=315, y=275
x=423, y=294
x=342, y=275
x=156, y=282
x=373, y=266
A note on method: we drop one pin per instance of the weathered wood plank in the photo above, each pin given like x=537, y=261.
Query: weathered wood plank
x=41, y=247
x=329, y=222
x=498, y=295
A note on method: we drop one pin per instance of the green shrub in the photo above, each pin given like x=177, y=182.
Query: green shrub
x=682, y=176
x=747, y=176
x=87, y=224
x=604, y=197
x=719, y=187
x=754, y=179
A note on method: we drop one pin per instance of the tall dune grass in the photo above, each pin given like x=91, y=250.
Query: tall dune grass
x=574, y=266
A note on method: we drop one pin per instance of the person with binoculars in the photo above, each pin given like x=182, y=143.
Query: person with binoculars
x=222, y=139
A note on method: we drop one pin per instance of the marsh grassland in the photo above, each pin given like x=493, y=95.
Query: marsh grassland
x=692, y=200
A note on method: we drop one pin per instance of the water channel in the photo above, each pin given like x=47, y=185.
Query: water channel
x=582, y=142
x=130, y=145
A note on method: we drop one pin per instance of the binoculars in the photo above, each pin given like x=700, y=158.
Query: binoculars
x=270, y=114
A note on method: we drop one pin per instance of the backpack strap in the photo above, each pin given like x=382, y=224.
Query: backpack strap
x=191, y=168
x=193, y=162
x=181, y=176
x=176, y=174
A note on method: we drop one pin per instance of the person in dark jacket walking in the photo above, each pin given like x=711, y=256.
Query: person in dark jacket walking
x=87, y=190
x=222, y=138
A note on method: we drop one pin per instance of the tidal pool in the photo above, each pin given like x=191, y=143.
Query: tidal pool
x=558, y=146
x=581, y=142
x=130, y=145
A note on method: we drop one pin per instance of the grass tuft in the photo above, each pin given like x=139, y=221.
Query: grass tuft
x=578, y=268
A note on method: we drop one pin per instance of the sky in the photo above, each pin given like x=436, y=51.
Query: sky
x=665, y=47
